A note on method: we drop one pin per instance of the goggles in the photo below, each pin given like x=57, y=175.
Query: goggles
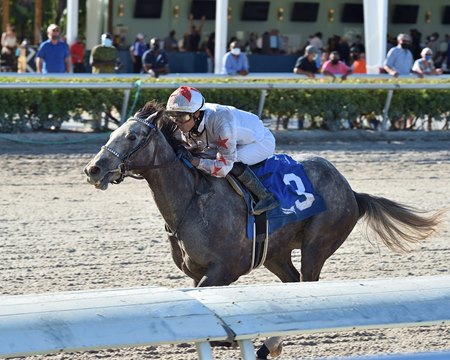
x=180, y=118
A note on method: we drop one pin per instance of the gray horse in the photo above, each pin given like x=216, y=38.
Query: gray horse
x=207, y=218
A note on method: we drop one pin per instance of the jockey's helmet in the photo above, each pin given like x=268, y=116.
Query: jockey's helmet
x=185, y=99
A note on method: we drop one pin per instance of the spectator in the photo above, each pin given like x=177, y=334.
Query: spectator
x=316, y=41
x=425, y=65
x=333, y=43
x=416, y=45
x=154, y=60
x=306, y=64
x=358, y=59
x=118, y=42
x=343, y=49
x=9, y=46
x=53, y=55
x=170, y=43
x=274, y=41
x=138, y=49
x=234, y=61
x=433, y=44
x=103, y=57
x=333, y=66
x=22, y=58
x=390, y=43
x=399, y=60
x=443, y=47
x=358, y=44
x=209, y=46
x=195, y=34
x=323, y=59
x=265, y=43
x=252, y=44
x=77, y=53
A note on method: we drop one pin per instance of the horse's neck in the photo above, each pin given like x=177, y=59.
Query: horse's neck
x=172, y=187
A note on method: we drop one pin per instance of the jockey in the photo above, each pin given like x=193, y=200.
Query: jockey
x=222, y=140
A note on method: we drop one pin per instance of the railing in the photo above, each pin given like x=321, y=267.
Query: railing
x=117, y=318
x=243, y=83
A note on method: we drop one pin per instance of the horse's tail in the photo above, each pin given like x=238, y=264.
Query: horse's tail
x=396, y=225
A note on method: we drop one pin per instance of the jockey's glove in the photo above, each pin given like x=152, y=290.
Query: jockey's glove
x=184, y=153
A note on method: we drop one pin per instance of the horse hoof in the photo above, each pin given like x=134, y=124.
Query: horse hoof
x=277, y=351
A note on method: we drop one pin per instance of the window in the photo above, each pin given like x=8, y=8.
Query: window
x=353, y=13
x=255, y=10
x=305, y=11
x=206, y=8
x=405, y=14
x=446, y=15
x=148, y=9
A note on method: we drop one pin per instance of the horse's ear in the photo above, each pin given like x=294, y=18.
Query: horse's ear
x=153, y=117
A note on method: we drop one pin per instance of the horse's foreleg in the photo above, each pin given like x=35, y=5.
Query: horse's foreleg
x=177, y=256
x=217, y=275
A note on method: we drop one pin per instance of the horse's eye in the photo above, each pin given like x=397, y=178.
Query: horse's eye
x=131, y=137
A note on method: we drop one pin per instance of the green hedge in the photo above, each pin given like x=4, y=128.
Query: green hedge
x=22, y=110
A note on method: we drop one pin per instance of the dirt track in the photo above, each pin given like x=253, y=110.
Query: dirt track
x=60, y=234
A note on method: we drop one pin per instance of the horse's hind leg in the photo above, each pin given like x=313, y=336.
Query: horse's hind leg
x=283, y=268
x=318, y=246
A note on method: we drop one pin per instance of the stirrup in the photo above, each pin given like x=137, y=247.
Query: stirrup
x=265, y=204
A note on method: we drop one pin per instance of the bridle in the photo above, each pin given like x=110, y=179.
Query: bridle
x=124, y=169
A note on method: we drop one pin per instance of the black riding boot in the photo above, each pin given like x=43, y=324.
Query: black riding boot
x=266, y=200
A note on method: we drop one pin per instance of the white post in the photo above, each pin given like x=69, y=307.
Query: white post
x=72, y=21
x=221, y=34
x=375, y=30
x=94, y=15
x=387, y=104
x=204, y=351
x=247, y=349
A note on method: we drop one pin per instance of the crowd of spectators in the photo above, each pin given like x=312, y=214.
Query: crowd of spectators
x=406, y=55
x=336, y=57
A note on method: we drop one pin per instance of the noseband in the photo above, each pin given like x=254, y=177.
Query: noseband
x=124, y=167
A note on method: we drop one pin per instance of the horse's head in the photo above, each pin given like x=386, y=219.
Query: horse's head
x=134, y=147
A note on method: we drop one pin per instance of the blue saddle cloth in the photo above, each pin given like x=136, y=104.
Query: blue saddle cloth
x=287, y=180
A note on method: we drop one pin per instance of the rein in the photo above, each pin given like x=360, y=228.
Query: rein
x=124, y=168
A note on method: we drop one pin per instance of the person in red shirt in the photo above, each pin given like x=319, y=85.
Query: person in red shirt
x=334, y=66
x=359, y=61
x=78, y=53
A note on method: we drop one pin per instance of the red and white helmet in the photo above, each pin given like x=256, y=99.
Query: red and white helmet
x=186, y=99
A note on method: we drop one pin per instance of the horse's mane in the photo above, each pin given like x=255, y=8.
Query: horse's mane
x=167, y=127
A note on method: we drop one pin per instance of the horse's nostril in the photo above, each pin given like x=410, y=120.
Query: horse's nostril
x=93, y=170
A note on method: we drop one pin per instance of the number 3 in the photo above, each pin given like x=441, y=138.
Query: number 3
x=307, y=199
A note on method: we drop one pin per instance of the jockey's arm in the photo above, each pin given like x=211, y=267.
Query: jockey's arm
x=225, y=135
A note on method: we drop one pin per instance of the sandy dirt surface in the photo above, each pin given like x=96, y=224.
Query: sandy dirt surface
x=58, y=233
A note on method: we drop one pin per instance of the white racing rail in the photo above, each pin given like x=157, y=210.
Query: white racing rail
x=117, y=318
x=242, y=83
